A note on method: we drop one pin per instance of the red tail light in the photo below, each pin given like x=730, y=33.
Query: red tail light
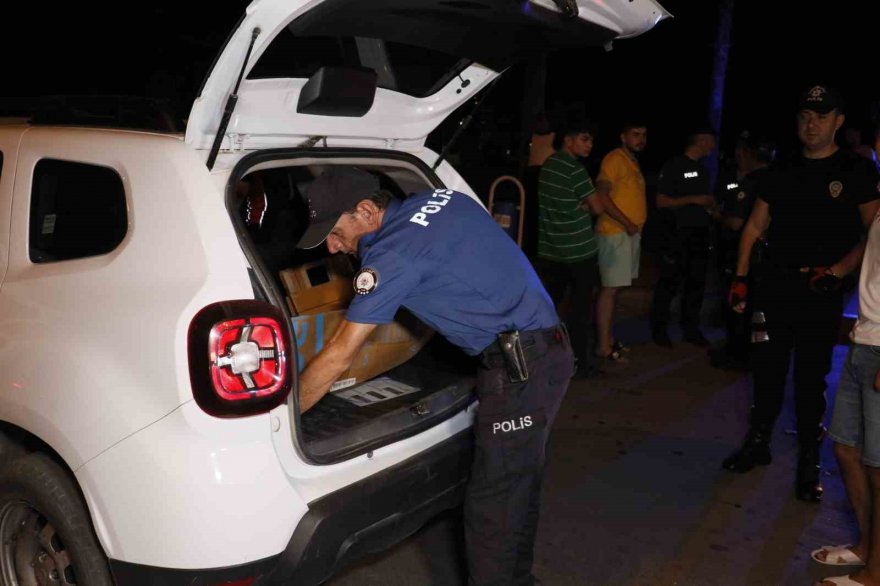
x=239, y=358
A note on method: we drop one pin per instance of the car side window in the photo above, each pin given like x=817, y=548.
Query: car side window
x=77, y=210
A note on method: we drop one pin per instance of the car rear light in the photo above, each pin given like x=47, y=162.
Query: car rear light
x=239, y=358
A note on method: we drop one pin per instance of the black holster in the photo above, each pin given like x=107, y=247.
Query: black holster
x=514, y=358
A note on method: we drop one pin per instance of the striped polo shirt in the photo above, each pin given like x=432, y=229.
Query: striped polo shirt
x=565, y=231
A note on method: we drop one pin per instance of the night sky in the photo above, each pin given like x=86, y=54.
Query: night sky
x=779, y=48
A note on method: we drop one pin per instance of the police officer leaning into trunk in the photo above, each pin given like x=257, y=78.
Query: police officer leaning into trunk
x=442, y=257
x=815, y=208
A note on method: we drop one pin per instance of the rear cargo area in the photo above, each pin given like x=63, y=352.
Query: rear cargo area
x=405, y=378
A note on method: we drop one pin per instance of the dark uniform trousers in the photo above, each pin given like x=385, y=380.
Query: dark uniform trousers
x=503, y=495
x=798, y=320
x=685, y=260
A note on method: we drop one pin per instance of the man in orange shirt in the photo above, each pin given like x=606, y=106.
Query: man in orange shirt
x=621, y=188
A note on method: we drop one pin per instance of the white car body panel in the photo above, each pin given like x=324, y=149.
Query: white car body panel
x=94, y=351
x=266, y=116
x=154, y=469
x=193, y=491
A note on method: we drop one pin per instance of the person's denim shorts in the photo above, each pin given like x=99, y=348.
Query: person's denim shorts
x=856, y=419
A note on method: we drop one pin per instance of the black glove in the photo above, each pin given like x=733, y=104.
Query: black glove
x=824, y=282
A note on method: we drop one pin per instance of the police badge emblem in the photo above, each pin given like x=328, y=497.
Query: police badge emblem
x=365, y=281
x=835, y=188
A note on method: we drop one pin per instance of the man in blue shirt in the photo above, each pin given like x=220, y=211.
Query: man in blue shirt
x=442, y=257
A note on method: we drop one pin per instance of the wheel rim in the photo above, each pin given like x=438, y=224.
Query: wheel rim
x=31, y=551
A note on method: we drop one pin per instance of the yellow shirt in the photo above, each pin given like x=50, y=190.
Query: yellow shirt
x=627, y=191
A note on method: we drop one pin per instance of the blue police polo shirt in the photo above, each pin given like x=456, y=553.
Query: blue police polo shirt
x=442, y=257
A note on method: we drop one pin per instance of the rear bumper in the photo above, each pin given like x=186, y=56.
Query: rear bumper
x=367, y=516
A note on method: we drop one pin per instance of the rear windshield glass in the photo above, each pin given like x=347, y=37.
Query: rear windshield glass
x=403, y=68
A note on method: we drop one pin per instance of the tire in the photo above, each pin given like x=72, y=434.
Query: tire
x=46, y=534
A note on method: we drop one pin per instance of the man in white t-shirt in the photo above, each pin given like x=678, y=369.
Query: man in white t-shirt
x=855, y=430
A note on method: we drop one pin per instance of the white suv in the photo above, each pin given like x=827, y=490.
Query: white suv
x=150, y=344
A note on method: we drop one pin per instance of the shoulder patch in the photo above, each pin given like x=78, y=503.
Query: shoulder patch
x=365, y=281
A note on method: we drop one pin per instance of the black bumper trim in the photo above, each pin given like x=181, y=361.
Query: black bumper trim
x=374, y=513
x=128, y=574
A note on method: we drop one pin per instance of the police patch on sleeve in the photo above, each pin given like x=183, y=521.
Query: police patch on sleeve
x=365, y=281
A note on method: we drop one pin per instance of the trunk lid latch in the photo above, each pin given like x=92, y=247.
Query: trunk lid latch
x=420, y=409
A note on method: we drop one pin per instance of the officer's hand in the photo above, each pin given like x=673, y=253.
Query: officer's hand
x=824, y=282
x=877, y=381
x=707, y=201
x=739, y=292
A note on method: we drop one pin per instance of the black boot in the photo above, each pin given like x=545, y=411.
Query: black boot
x=755, y=450
x=808, y=487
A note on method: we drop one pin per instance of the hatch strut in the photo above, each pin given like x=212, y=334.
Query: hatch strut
x=230, y=104
x=463, y=125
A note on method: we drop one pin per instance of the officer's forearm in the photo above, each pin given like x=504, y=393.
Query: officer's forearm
x=850, y=262
x=733, y=223
x=320, y=374
x=664, y=201
x=747, y=241
x=331, y=362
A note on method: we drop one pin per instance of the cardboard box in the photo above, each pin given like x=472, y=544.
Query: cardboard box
x=389, y=345
x=319, y=286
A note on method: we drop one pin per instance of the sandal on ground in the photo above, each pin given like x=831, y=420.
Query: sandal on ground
x=619, y=347
x=839, y=581
x=615, y=356
x=837, y=555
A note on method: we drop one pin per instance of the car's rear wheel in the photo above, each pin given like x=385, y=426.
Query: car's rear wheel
x=46, y=535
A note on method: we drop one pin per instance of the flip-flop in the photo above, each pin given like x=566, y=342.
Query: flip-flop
x=839, y=581
x=615, y=356
x=837, y=555
x=620, y=347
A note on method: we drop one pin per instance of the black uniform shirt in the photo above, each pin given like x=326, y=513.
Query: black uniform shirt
x=814, y=214
x=738, y=197
x=682, y=176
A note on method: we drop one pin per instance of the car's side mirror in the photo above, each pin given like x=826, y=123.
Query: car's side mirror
x=338, y=91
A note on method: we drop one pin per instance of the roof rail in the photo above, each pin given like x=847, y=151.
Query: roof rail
x=110, y=111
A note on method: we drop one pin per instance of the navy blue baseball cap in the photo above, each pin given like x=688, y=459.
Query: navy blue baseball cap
x=821, y=99
x=334, y=192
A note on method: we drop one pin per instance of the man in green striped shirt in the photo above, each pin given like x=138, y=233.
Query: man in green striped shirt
x=567, y=248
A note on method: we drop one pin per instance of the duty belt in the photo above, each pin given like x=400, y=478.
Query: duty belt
x=797, y=270
x=493, y=356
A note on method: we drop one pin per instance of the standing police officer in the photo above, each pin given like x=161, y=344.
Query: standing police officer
x=820, y=202
x=684, y=190
x=441, y=256
x=753, y=155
